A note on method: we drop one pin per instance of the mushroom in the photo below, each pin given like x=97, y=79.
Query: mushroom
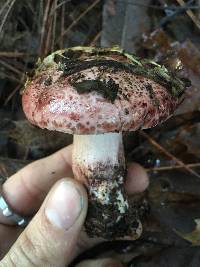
x=96, y=94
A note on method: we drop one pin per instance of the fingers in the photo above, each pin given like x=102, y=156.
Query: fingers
x=26, y=189
x=137, y=179
x=100, y=263
x=50, y=238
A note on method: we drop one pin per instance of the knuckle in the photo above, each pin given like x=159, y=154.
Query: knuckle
x=30, y=251
x=31, y=189
x=7, y=262
x=39, y=247
x=25, y=250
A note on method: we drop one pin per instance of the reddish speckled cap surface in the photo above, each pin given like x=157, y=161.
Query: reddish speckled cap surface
x=82, y=92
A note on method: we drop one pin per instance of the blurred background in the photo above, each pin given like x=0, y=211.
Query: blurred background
x=168, y=32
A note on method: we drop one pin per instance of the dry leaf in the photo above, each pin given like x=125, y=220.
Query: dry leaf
x=194, y=236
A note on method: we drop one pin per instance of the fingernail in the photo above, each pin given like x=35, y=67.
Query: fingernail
x=64, y=205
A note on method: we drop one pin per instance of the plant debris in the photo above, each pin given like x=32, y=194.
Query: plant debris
x=168, y=34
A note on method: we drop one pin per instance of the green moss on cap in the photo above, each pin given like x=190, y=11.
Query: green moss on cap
x=75, y=59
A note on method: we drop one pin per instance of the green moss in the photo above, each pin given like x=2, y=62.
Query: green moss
x=73, y=60
x=28, y=81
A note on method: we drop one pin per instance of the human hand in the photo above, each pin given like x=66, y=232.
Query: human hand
x=54, y=236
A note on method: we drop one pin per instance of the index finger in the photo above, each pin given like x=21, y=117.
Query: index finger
x=25, y=190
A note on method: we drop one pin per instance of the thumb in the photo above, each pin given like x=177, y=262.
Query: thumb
x=50, y=238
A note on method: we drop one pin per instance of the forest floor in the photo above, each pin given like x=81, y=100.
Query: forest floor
x=165, y=31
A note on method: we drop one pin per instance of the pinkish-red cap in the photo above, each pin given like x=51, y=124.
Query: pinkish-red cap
x=81, y=91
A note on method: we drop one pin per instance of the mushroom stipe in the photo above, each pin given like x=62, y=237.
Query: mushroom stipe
x=96, y=94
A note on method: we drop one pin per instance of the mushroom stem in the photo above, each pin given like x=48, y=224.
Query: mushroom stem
x=98, y=161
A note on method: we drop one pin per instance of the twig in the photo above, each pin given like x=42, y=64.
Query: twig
x=14, y=54
x=168, y=154
x=31, y=8
x=78, y=19
x=62, y=25
x=10, y=77
x=60, y=5
x=4, y=6
x=40, y=16
x=96, y=38
x=10, y=67
x=49, y=31
x=190, y=14
x=44, y=28
x=54, y=26
x=12, y=94
x=10, y=5
x=172, y=167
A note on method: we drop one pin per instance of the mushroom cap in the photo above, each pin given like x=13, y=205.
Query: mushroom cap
x=87, y=90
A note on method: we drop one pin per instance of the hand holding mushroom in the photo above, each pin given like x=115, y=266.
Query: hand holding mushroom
x=59, y=206
x=96, y=94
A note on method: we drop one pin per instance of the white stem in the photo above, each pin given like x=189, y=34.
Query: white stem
x=93, y=150
x=98, y=161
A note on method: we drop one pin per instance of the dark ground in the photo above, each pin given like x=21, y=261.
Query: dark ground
x=165, y=31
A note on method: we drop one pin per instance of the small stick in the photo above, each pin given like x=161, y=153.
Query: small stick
x=171, y=167
x=96, y=38
x=78, y=19
x=13, y=54
x=44, y=26
x=190, y=14
x=168, y=154
x=54, y=26
x=62, y=26
x=10, y=5
x=17, y=88
x=10, y=67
